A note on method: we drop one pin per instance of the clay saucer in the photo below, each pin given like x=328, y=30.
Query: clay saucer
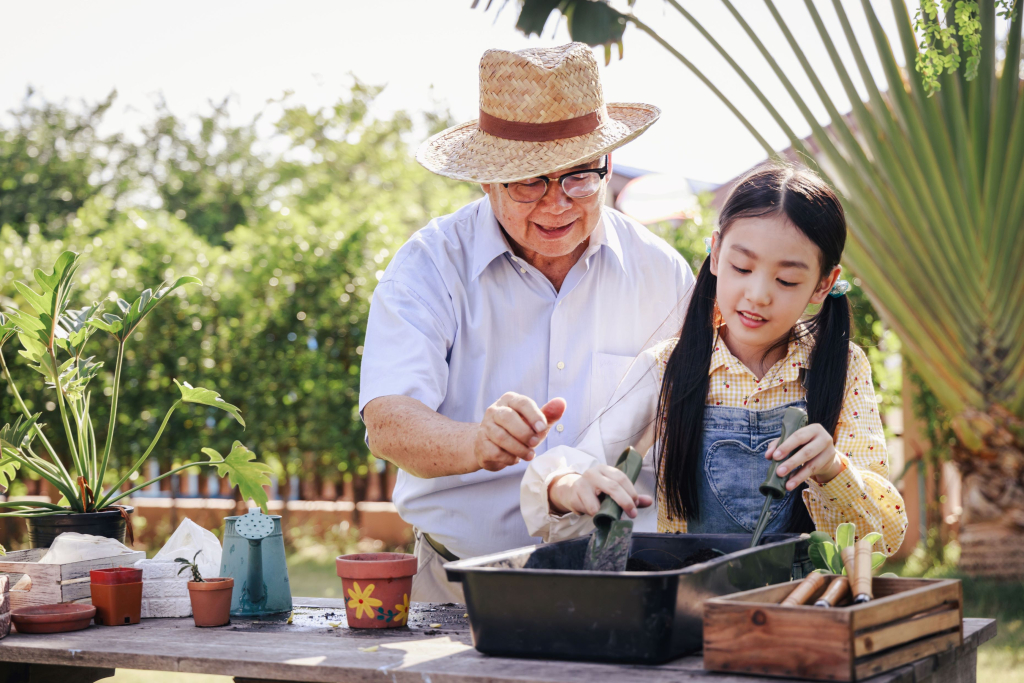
x=52, y=618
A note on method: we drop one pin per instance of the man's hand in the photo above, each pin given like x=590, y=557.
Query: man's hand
x=579, y=492
x=513, y=426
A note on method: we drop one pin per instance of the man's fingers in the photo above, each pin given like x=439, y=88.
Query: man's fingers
x=526, y=407
x=497, y=435
x=512, y=422
x=553, y=409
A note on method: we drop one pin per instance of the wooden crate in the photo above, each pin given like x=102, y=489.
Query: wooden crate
x=751, y=632
x=54, y=583
x=5, y=606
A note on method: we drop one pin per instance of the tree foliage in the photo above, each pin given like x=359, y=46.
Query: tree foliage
x=289, y=246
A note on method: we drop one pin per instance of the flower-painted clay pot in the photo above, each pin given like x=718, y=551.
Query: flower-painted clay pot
x=376, y=588
x=211, y=601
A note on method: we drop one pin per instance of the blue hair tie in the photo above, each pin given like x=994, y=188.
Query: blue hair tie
x=707, y=245
x=840, y=288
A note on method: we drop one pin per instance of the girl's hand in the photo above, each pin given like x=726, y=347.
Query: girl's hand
x=818, y=458
x=579, y=492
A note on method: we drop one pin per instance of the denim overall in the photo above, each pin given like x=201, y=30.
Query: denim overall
x=733, y=466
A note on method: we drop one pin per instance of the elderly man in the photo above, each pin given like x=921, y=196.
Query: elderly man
x=504, y=328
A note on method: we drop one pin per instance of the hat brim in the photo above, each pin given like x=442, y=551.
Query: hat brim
x=464, y=152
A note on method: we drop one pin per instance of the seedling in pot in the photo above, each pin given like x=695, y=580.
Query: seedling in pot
x=193, y=566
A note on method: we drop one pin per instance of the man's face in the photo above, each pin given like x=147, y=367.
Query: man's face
x=555, y=224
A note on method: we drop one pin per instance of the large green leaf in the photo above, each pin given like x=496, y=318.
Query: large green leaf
x=132, y=314
x=206, y=397
x=242, y=471
x=8, y=469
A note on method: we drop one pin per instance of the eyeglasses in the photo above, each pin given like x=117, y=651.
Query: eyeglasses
x=578, y=185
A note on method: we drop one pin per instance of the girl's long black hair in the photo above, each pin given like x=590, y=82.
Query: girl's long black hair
x=811, y=206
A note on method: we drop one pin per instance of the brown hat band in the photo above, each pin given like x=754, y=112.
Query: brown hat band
x=539, y=132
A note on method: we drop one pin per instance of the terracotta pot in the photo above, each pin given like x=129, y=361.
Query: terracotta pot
x=211, y=601
x=115, y=575
x=117, y=604
x=376, y=588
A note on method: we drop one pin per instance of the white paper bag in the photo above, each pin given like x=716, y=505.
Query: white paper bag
x=188, y=539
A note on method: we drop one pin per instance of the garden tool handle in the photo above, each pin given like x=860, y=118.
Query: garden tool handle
x=847, y=555
x=834, y=593
x=805, y=589
x=774, y=485
x=862, y=582
x=629, y=463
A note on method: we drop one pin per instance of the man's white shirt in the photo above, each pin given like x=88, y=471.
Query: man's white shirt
x=458, y=320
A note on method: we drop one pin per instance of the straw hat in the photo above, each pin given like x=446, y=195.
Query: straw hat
x=541, y=110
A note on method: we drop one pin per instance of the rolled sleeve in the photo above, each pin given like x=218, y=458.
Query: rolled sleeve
x=626, y=421
x=408, y=336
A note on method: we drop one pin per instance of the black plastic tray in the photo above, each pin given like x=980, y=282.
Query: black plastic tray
x=537, y=602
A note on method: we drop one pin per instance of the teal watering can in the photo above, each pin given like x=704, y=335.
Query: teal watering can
x=254, y=557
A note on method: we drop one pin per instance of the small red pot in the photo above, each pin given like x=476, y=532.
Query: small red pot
x=376, y=588
x=115, y=575
x=211, y=601
x=117, y=604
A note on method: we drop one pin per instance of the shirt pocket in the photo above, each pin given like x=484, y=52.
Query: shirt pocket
x=606, y=371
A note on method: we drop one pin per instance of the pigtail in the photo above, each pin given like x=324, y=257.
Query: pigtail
x=829, y=360
x=829, y=330
x=680, y=422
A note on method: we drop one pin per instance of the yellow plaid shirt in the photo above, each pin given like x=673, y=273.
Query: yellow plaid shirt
x=861, y=493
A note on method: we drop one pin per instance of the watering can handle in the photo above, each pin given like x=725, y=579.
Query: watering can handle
x=630, y=463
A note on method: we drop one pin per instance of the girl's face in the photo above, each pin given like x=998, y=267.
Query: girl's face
x=768, y=272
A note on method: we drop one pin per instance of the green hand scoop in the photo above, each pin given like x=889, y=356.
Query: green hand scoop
x=609, y=545
x=774, y=486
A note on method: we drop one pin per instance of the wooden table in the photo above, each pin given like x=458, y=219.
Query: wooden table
x=318, y=646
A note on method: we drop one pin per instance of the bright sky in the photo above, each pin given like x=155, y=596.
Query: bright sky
x=194, y=51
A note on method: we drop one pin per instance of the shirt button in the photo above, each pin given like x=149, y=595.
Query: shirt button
x=560, y=427
x=522, y=270
x=561, y=365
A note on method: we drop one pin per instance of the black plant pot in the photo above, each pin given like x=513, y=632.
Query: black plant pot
x=109, y=524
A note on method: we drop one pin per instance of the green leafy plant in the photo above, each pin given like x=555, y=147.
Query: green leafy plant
x=827, y=555
x=193, y=566
x=53, y=339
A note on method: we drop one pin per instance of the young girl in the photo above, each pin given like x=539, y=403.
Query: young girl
x=712, y=401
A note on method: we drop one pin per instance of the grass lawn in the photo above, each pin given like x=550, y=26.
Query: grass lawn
x=1001, y=660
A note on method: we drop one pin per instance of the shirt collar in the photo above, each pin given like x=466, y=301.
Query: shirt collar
x=795, y=360
x=606, y=235
x=490, y=242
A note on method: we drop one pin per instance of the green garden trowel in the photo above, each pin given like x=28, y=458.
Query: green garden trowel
x=774, y=486
x=609, y=545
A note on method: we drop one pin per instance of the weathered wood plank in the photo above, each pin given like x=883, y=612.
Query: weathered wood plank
x=905, y=631
x=904, y=604
x=907, y=654
x=312, y=652
x=80, y=570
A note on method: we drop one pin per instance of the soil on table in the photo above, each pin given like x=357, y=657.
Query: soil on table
x=636, y=564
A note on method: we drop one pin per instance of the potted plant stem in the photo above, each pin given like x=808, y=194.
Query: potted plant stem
x=211, y=598
x=53, y=339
